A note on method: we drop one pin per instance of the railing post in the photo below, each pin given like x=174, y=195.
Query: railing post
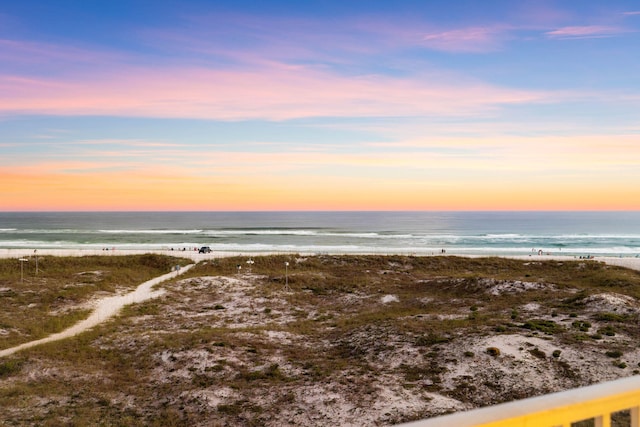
x=635, y=419
x=603, y=421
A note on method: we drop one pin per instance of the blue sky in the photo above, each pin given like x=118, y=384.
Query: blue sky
x=319, y=105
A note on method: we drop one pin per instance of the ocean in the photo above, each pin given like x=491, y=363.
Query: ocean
x=420, y=233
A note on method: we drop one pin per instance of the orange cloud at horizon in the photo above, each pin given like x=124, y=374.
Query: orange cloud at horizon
x=440, y=173
x=137, y=191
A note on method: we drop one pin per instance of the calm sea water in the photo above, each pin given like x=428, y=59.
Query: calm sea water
x=497, y=233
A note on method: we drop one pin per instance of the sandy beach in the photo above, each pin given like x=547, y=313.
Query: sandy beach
x=188, y=254
x=628, y=262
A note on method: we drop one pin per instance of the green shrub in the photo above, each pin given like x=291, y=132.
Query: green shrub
x=546, y=326
x=614, y=353
x=272, y=372
x=10, y=367
x=610, y=317
x=230, y=409
x=556, y=353
x=414, y=373
x=431, y=339
x=536, y=352
x=581, y=325
x=608, y=331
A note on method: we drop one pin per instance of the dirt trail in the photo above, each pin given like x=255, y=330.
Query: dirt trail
x=105, y=309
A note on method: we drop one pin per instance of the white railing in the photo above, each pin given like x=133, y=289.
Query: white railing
x=563, y=409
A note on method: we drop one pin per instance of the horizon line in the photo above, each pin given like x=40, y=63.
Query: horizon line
x=316, y=210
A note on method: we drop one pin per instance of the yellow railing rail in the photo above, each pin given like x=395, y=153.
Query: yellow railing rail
x=563, y=409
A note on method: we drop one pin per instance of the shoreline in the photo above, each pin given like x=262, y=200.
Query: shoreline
x=628, y=262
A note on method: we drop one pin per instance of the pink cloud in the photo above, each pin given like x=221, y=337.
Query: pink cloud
x=475, y=39
x=26, y=52
x=588, y=31
x=126, y=142
x=268, y=92
x=242, y=39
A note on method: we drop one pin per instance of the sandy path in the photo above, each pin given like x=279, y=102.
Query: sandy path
x=105, y=308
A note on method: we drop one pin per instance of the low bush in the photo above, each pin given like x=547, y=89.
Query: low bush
x=547, y=326
x=431, y=339
x=536, y=352
x=610, y=317
x=493, y=351
x=10, y=367
x=608, y=331
x=581, y=325
x=614, y=353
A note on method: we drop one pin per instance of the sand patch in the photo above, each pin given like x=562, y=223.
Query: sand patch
x=389, y=299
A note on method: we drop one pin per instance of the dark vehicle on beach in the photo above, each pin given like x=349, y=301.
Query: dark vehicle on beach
x=204, y=250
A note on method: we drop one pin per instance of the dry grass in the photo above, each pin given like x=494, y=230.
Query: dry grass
x=58, y=296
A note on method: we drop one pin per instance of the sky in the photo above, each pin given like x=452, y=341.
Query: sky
x=319, y=105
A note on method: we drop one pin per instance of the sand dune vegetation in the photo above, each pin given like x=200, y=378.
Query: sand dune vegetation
x=325, y=340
